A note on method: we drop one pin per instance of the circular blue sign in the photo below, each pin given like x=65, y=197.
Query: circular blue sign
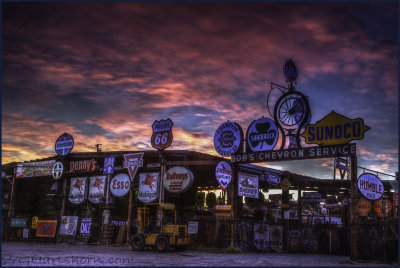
x=262, y=135
x=290, y=70
x=227, y=138
x=370, y=186
x=64, y=144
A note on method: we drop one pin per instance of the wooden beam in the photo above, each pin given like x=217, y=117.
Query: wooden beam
x=192, y=163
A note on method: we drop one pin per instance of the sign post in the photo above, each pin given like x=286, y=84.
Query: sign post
x=353, y=210
x=160, y=139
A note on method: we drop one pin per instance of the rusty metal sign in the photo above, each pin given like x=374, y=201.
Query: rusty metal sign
x=334, y=129
x=315, y=152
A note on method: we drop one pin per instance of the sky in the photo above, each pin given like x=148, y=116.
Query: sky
x=105, y=71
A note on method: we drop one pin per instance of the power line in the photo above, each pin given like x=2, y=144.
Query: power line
x=377, y=171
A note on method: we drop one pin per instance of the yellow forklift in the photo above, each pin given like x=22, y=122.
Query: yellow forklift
x=157, y=228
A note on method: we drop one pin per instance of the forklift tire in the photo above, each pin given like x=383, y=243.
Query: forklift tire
x=161, y=244
x=137, y=242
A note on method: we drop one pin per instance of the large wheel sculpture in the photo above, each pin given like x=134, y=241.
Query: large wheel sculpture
x=291, y=113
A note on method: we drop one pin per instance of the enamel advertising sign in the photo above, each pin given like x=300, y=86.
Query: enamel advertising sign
x=261, y=236
x=148, y=187
x=273, y=179
x=46, y=228
x=178, y=180
x=247, y=185
x=370, y=186
x=223, y=174
x=96, y=189
x=334, y=129
x=227, y=138
x=262, y=135
x=382, y=207
x=290, y=70
x=109, y=165
x=77, y=190
x=276, y=237
x=162, y=134
x=68, y=225
x=64, y=144
x=82, y=166
x=35, y=169
x=57, y=170
x=86, y=225
x=120, y=184
x=133, y=162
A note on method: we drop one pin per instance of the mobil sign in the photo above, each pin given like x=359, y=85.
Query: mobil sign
x=334, y=129
x=370, y=186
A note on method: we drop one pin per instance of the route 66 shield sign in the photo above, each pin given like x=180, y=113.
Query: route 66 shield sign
x=162, y=134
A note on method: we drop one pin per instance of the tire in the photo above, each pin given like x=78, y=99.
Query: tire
x=161, y=244
x=137, y=242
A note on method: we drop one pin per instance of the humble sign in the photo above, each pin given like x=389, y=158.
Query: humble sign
x=315, y=152
x=370, y=186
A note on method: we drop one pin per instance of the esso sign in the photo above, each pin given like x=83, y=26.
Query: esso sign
x=120, y=184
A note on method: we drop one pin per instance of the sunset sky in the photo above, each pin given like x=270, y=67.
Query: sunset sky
x=104, y=71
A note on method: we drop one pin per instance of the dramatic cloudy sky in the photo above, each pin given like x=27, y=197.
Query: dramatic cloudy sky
x=103, y=72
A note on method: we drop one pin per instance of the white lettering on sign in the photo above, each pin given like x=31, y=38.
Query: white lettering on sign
x=295, y=154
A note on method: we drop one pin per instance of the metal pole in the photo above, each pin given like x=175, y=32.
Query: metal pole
x=334, y=169
x=162, y=172
x=128, y=222
x=233, y=202
x=64, y=195
x=107, y=189
x=353, y=211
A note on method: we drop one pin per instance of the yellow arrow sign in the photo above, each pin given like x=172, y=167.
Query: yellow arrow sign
x=334, y=129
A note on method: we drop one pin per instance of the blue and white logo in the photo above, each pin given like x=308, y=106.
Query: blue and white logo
x=85, y=226
x=109, y=165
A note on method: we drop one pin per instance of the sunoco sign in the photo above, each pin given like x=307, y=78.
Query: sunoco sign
x=334, y=129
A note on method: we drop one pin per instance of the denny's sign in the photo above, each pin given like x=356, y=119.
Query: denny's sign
x=334, y=129
x=82, y=166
